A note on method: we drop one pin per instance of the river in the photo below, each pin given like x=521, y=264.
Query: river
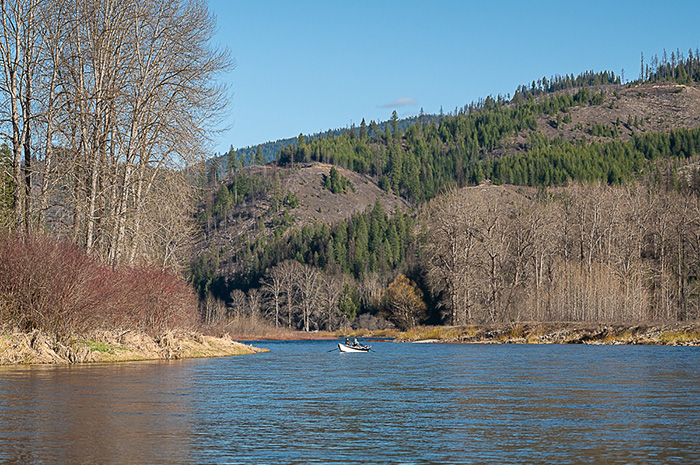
x=399, y=404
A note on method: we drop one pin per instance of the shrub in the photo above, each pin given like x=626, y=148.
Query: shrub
x=55, y=286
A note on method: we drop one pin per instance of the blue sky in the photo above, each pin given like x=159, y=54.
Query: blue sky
x=306, y=66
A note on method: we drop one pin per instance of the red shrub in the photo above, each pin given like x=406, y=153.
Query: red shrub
x=153, y=299
x=54, y=286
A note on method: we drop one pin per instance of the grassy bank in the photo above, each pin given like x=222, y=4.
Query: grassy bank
x=37, y=347
x=60, y=305
x=559, y=333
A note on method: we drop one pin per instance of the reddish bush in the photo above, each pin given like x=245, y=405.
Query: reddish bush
x=54, y=286
x=152, y=299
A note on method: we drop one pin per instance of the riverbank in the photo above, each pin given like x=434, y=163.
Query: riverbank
x=679, y=334
x=38, y=347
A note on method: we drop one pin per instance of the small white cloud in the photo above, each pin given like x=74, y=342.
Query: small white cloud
x=402, y=102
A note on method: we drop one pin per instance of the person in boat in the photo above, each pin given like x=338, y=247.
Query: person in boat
x=355, y=343
x=347, y=341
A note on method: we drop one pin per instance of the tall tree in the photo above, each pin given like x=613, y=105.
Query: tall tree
x=125, y=92
x=259, y=159
x=6, y=186
x=274, y=288
x=231, y=161
x=20, y=45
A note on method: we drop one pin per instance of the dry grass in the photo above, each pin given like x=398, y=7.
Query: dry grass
x=662, y=106
x=438, y=333
x=516, y=332
x=678, y=337
x=559, y=333
x=390, y=333
x=36, y=347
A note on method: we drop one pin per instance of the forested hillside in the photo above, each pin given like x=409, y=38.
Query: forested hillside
x=591, y=155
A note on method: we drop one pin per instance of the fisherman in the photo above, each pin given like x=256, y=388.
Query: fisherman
x=347, y=341
x=355, y=343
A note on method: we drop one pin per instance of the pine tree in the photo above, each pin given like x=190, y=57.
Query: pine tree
x=333, y=181
x=232, y=161
x=259, y=160
x=363, y=131
x=394, y=123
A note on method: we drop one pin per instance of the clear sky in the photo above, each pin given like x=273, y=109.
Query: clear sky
x=305, y=66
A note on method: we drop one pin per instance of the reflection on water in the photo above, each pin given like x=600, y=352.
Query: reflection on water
x=405, y=403
x=94, y=414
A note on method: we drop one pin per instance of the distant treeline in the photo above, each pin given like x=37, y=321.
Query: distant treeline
x=485, y=130
x=270, y=151
x=677, y=68
x=557, y=83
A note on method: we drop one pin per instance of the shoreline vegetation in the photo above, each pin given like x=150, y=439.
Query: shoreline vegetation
x=38, y=347
x=675, y=334
x=60, y=305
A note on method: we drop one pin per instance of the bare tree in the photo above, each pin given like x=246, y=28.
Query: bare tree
x=309, y=284
x=125, y=91
x=254, y=303
x=542, y=223
x=53, y=21
x=238, y=303
x=450, y=252
x=273, y=289
x=20, y=46
x=331, y=290
x=371, y=289
x=289, y=269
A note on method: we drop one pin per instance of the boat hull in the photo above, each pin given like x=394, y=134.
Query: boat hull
x=351, y=349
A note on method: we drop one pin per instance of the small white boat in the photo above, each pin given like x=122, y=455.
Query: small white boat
x=353, y=348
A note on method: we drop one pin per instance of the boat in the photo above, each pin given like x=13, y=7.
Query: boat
x=353, y=348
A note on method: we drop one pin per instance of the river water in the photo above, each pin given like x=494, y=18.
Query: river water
x=401, y=403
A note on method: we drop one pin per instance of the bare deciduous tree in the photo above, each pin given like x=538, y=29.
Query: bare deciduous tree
x=20, y=46
x=309, y=284
x=125, y=93
x=289, y=269
x=273, y=289
x=331, y=290
x=591, y=253
x=238, y=302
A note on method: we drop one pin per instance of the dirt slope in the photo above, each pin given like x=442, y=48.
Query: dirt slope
x=316, y=204
x=659, y=107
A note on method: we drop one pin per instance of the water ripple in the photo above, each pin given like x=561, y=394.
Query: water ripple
x=404, y=403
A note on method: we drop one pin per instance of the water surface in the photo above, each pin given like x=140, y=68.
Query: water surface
x=401, y=403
